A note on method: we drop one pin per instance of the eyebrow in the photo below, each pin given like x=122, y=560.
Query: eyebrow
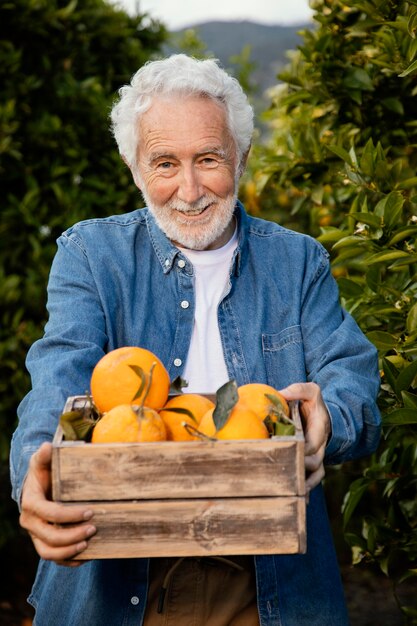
x=157, y=156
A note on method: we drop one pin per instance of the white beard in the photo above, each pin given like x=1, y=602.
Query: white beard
x=172, y=219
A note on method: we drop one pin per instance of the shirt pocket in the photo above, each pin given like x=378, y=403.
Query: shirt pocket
x=283, y=355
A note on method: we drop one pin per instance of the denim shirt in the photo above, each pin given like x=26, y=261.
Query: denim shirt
x=119, y=281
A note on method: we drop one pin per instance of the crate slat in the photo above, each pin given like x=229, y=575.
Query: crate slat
x=95, y=472
x=198, y=527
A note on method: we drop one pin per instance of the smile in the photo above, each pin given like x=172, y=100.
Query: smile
x=194, y=212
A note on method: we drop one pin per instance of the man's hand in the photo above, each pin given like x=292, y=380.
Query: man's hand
x=317, y=428
x=40, y=515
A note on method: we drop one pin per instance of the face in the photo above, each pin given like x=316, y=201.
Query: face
x=187, y=170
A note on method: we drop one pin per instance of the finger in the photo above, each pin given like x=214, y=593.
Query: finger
x=54, y=512
x=314, y=478
x=300, y=391
x=313, y=461
x=43, y=456
x=57, y=543
x=72, y=562
x=58, y=554
x=59, y=536
x=315, y=440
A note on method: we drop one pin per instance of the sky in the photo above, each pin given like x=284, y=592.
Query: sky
x=177, y=14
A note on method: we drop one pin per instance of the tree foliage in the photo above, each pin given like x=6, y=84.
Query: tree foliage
x=60, y=66
x=342, y=165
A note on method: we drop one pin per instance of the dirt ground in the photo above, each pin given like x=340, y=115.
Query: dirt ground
x=369, y=595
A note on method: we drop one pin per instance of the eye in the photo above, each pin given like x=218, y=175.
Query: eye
x=209, y=162
x=165, y=168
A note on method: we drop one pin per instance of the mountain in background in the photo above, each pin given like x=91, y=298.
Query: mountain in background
x=269, y=45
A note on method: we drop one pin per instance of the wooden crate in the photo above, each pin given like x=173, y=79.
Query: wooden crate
x=194, y=498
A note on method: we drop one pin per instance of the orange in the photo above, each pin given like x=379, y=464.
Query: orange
x=152, y=427
x=195, y=403
x=128, y=424
x=114, y=380
x=119, y=425
x=254, y=396
x=243, y=423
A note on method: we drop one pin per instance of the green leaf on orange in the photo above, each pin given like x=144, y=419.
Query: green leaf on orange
x=284, y=430
x=278, y=407
x=142, y=376
x=226, y=398
x=78, y=425
x=182, y=412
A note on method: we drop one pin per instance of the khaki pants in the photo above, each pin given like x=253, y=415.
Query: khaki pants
x=202, y=592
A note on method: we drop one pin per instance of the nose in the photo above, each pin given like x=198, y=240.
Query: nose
x=189, y=187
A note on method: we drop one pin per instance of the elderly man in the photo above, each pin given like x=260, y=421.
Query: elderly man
x=217, y=295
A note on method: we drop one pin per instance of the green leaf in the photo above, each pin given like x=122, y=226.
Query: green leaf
x=78, y=425
x=412, y=25
x=409, y=399
x=65, y=12
x=409, y=70
x=349, y=288
x=283, y=430
x=408, y=183
x=406, y=376
x=330, y=234
x=380, y=207
x=348, y=241
x=393, y=208
x=402, y=233
x=411, y=322
x=352, y=498
x=373, y=278
x=393, y=104
x=391, y=373
x=367, y=159
x=358, y=78
x=408, y=259
x=226, y=398
x=382, y=340
x=181, y=411
x=400, y=417
x=142, y=376
x=340, y=152
x=367, y=218
x=383, y=257
x=277, y=407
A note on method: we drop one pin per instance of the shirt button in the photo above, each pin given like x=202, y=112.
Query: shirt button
x=134, y=600
x=181, y=263
x=185, y=304
x=166, y=265
x=177, y=362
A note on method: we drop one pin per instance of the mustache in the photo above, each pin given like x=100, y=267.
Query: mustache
x=190, y=207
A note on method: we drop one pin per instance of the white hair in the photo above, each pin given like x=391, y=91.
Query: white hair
x=180, y=74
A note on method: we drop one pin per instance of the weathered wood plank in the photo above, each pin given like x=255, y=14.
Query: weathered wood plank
x=198, y=527
x=177, y=470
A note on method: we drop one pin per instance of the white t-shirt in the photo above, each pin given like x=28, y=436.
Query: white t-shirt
x=205, y=368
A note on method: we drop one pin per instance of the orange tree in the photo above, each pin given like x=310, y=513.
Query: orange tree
x=342, y=165
x=61, y=63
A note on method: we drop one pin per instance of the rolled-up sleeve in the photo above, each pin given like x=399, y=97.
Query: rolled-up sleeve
x=60, y=363
x=344, y=363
